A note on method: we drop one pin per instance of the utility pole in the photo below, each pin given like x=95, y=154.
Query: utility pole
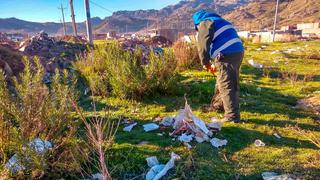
x=63, y=20
x=275, y=21
x=89, y=28
x=74, y=25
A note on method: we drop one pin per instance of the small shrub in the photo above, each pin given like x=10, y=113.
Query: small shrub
x=111, y=70
x=34, y=110
x=186, y=55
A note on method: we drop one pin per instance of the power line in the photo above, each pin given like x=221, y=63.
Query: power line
x=96, y=4
x=63, y=20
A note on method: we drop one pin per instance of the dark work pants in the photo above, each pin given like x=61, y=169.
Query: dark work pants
x=227, y=89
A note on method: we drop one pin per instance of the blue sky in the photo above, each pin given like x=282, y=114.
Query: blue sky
x=47, y=10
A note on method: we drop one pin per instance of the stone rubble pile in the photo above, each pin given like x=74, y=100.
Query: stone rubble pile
x=52, y=53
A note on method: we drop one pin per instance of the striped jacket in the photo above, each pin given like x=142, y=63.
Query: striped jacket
x=216, y=35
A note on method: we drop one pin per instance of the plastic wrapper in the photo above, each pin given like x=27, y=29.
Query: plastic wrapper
x=150, y=127
x=129, y=128
x=218, y=142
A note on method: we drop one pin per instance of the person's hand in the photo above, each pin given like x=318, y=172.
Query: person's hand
x=210, y=68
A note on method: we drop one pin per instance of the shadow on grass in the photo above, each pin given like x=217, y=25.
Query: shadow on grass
x=276, y=73
x=240, y=138
x=199, y=94
x=283, y=123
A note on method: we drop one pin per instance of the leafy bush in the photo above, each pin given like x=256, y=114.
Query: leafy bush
x=186, y=55
x=33, y=110
x=111, y=70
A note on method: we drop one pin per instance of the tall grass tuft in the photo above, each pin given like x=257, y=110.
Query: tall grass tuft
x=186, y=55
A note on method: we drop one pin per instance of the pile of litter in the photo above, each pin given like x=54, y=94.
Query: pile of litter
x=10, y=61
x=158, y=41
x=7, y=42
x=71, y=39
x=132, y=45
x=188, y=127
x=53, y=53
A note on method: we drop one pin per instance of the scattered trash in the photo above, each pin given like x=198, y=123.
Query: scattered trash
x=143, y=143
x=37, y=145
x=290, y=50
x=259, y=89
x=188, y=145
x=160, y=134
x=185, y=138
x=259, y=143
x=129, y=128
x=167, y=121
x=97, y=176
x=252, y=63
x=150, y=127
x=268, y=175
x=259, y=49
x=40, y=146
x=263, y=46
x=218, y=142
x=14, y=164
x=274, y=52
x=154, y=171
x=276, y=176
x=201, y=139
x=215, y=124
x=152, y=161
x=277, y=135
x=276, y=61
x=160, y=170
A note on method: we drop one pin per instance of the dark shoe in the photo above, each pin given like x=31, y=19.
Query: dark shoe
x=231, y=120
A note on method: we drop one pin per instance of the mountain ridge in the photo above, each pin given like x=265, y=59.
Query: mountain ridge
x=244, y=14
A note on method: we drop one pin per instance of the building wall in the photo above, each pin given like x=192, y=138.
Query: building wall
x=315, y=32
x=308, y=26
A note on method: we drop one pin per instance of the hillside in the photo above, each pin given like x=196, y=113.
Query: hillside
x=12, y=25
x=259, y=14
x=246, y=14
x=174, y=16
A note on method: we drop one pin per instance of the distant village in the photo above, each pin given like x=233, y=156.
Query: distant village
x=302, y=31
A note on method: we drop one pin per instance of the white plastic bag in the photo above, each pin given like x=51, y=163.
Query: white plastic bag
x=200, y=124
x=150, y=127
x=152, y=161
x=185, y=138
x=158, y=171
x=218, y=142
x=129, y=128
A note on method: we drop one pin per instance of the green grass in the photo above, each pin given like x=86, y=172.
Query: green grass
x=264, y=113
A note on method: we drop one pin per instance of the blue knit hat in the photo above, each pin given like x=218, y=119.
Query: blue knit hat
x=202, y=15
